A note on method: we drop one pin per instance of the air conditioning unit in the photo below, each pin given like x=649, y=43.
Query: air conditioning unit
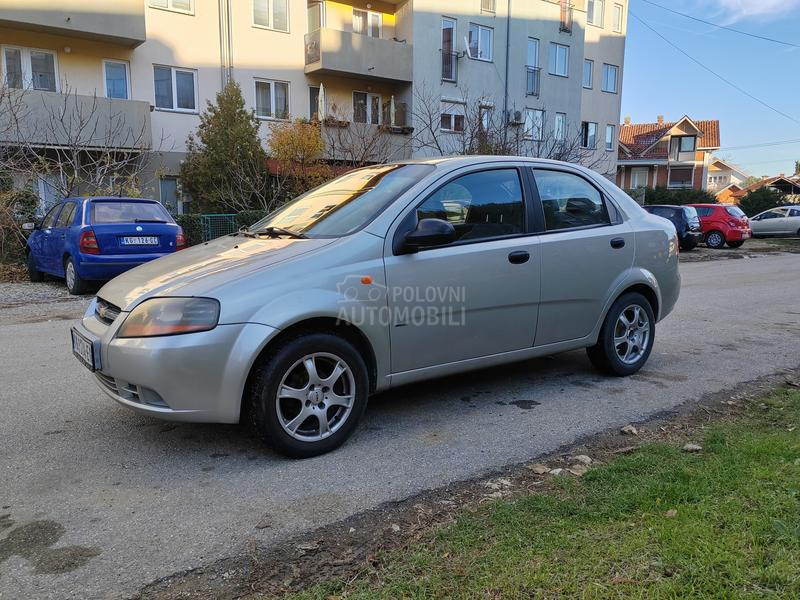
x=515, y=117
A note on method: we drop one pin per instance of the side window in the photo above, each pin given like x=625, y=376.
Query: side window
x=795, y=212
x=773, y=214
x=569, y=201
x=50, y=217
x=65, y=218
x=480, y=205
x=704, y=211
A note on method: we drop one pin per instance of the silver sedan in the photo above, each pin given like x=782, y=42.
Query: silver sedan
x=388, y=275
x=784, y=220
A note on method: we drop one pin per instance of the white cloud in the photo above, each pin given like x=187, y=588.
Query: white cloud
x=763, y=10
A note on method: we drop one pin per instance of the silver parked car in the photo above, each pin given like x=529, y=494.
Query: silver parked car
x=388, y=275
x=784, y=220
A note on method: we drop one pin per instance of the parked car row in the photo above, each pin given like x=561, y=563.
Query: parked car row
x=714, y=224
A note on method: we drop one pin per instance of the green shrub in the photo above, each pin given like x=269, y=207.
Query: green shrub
x=760, y=200
x=192, y=227
x=662, y=195
x=16, y=207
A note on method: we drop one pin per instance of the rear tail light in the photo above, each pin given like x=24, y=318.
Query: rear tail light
x=180, y=240
x=88, y=243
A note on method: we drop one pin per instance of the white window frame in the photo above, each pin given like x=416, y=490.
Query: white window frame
x=588, y=61
x=597, y=6
x=635, y=172
x=369, y=96
x=532, y=41
x=670, y=185
x=556, y=47
x=27, y=70
x=608, y=68
x=616, y=24
x=174, y=71
x=490, y=9
x=612, y=129
x=127, y=66
x=271, y=27
x=321, y=6
x=449, y=104
x=559, y=134
x=531, y=117
x=587, y=136
x=491, y=44
x=272, y=83
x=369, y=13
x=169, y=7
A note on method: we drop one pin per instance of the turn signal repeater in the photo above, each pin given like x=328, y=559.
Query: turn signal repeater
x=366, y=280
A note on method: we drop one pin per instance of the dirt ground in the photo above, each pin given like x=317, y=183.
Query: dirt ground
x=751, y=249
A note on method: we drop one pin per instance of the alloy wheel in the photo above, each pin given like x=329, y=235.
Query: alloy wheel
x=632, y=334
x=315, y=397
x=70, y=275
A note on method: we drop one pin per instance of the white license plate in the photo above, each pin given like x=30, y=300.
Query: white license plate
x=745, y=235
x=140, y=240
x=83, y=350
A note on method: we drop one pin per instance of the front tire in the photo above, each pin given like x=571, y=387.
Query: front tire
x=34, y=274
x=307, y=396
x=75, y=284
x=715, y=240
x=626, y=338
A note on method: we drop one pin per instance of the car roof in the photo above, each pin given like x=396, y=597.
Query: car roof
x=662, y=206
x=111, y=199
x=708, y=205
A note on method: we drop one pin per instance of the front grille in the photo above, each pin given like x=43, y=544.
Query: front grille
x=106, y=311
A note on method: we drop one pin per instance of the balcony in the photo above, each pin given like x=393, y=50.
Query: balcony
x=57, y=120
x=450, y=66
x=330, y=51
x=118, y=22
x=532, y=78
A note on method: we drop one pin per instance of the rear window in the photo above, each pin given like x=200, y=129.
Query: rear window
x=128, y=212
x=663, y=211
x=735, y=211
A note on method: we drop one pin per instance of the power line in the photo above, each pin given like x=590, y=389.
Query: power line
x=725, y=27
x=762, y=145
x=714, y=73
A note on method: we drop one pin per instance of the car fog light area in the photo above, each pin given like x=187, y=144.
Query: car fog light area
x=170, y=316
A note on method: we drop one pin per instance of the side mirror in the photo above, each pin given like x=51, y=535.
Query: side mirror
x=429, y=233
x=28, y=226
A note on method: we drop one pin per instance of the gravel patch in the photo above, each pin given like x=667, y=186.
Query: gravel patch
x=752, y=248
x=37, y=302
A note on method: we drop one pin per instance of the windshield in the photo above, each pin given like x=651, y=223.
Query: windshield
x=735, y=211
x=347, y=203
x=115, y=211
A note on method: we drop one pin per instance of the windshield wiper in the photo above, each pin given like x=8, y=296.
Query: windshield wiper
x=277, y=232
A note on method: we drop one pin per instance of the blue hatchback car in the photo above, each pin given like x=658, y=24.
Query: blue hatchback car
x=96, y=239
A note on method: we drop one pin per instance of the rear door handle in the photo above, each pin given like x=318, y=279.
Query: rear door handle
x=519, y=257
x=618, y=243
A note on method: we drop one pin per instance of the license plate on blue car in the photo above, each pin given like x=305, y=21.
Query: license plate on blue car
x=140, y=240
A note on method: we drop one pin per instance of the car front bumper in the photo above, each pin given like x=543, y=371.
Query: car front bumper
x=197, y=377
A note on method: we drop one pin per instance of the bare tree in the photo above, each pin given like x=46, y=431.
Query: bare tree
x=353, y=144
x=81, y=144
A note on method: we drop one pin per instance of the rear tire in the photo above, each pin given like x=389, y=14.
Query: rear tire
x=735, y=244
x=34, y=274
x=715, y=240
x=303, y=409
x=688, y=246
x=75, y=284
x=626, y=337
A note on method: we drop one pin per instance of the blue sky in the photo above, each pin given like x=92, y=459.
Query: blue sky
x=660, y=80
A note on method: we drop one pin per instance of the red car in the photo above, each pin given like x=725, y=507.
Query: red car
x=722, y=224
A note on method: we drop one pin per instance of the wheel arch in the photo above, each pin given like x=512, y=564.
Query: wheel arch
x=645, y=290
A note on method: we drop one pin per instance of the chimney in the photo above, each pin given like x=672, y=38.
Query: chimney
x=660, y=119
x=627, y=120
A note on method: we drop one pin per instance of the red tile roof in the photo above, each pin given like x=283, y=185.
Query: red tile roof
x=638, y=137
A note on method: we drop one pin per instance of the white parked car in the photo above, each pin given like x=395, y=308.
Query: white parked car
x=777, y=221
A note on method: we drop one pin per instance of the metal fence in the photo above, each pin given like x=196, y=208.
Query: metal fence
x=214, y=226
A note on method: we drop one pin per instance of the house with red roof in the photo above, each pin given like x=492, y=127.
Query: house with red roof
x=666, y=154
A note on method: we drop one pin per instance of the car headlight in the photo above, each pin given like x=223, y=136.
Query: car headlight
x=170, y=316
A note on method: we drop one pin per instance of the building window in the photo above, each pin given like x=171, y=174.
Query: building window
x=639, y=178
x=565, y=25
x=27, y=68
x=589, y=135
x=489, y=5
x=610, y=73
x=560, y=127
x=588, y=73
x=271, y=14
x=480, y=42
x=534, y=124
x=449, y=55
x=533, y=52
x=611, y=131
x=313, y=103
x=618, y=12
x=366, y=108
x=594, y=12
x=182, y=6
x=367, y=22
x=452, y=116
x=687, y=143
x=681, y=177
x=169, y=194
x=176, y=89
x=559, y=59
x=316, y=16
x=272, y=99
x=116, y=79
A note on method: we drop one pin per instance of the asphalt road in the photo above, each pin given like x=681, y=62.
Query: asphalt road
x=111, y=500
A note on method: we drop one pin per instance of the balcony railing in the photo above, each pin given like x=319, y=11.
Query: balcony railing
x=449, y=66
x=532, y=81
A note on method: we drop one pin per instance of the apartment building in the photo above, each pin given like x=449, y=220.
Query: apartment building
x=676, y=154
x=545, y=69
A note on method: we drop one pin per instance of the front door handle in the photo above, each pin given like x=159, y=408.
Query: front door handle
x=618, y=243
x=519, y=257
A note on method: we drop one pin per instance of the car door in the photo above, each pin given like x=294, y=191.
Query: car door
x=58, y=235
x=586, y=248
x=794, y=221
x=47, y=257
x=477, y=296
x=769, y=223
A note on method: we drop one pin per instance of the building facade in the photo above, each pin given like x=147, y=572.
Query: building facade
x=666, y=154
x=543, y=71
